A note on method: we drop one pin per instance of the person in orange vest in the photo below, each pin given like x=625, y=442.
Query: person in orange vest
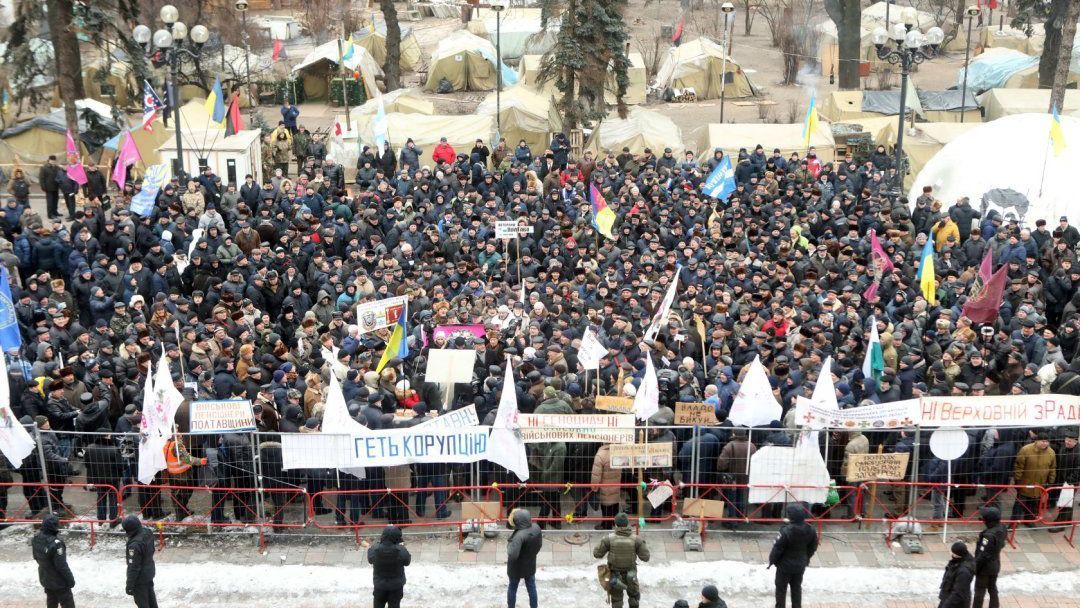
x=178, y=463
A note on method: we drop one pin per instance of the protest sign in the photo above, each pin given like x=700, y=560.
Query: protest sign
x=314, y=451
x=897, y=414
x=227, y=416
x=641, y=456
x=788, y=474
x=702, y=507
x=599, y=428
x=591, y=351
x=660, y=494
x=418, y=445
x=143, y=201
x=456, y=419
x=380, y=313
x=1004, y=410
x=481, y=511
x=450, y=366
x=510, y=229
x=694, y=413
x=623, y=405
x=451, y=332
x=876, y=467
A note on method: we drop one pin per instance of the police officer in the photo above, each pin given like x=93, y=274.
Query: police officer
x=140, y=563
x=988, y=556
x=791, y=553
x=53, y=572
x=623, y=549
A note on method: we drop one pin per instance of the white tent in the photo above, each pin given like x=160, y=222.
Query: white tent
x=461, y=132
x=1005, y=102
x=641, y=129
x=321, y=64
x=519, y=31
x=1037, y=184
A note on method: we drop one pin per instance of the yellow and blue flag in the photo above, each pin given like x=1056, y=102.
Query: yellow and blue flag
x=215, y=105
x=350, y=49
x=1057, y=136
x=603, y=218
x=811, y=123
x=398, y=344
x=927, y=278
x=10, y=338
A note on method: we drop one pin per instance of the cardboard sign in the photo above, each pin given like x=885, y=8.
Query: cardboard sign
x=660, y=494
x=623, y=405
x=702, y=507
x=228, y=416
x=483, y=511
x=876, y=467
x=641, y=456
x=450, y=366
x=596, y=428
x=379, y=314
x=694, y=414
x=509, y=229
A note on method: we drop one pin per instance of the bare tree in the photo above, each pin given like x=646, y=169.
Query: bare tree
x=847, y=15
x=749, y=7
x=653, y=48
x=1064, y=59
x=319, y=18
x=61, y=15
x=392, y=67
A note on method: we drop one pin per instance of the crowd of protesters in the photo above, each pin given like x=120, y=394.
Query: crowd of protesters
x=251, y=289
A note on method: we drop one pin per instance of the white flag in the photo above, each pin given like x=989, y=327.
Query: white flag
x=591, y=350
x=824, y=396
x=912, y=101
x=661, y=316
x=647, y=398
x=755, y=404
x=15, y=443
x=151, y=441
x=507, y=446
x=336, y=420
x=166, y=394
x=380, y=127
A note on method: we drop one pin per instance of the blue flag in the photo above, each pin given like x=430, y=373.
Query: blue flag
x=721, y=182
x=10, y=338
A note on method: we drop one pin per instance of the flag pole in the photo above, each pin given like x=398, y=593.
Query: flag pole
x=1046, y=158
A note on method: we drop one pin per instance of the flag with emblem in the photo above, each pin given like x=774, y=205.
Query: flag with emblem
x=151, y=106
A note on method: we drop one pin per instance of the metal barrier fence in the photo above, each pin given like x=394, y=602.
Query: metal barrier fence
x=243, y=484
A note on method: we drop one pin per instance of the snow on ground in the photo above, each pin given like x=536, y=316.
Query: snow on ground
x=220, y=585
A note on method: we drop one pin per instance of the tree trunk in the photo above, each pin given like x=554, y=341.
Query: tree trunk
x=847, y=15
x=1061, y=72
x=67, y=59
x=1052, y=43
x=392, y=67
x=748, y=17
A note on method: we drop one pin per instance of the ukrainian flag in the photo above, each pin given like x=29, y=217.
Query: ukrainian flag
x=926, y=277
x=215, y=105
x=350, y=48
x=1057, y=136
x=811, y=123
x=603, y=217
x=398, y=344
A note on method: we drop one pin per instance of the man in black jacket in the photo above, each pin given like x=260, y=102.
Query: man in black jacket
x=791, y=553
x=140, y=563
x=988, y=556
x=50, y=553
x=47, y=181
x=388, y=559
x=956, y=583
x=521, y=550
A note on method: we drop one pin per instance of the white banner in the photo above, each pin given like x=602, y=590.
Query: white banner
x=227, y=416
x=1006, y=410
x=789, y=474
x=379, y=314
x=385, y=448
x=456, y=419
x=897, y=414
x=596, y=428
x=509, y=229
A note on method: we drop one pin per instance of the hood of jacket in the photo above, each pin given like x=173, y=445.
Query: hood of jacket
x=51, y=524
x=391, y=535
x=521, y=519
x=795, y=513
x=131, y=525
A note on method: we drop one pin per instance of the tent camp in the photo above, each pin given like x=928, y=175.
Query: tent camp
x=1008, y=68
x=923, y=142
x=641, y=129
x=112, y=82
x=525, y=114
x=699, y=64
x=938, y=106
x=873, y=17
x=375, y=44
x=1006, y=102
x=519, y=31
x=1038, y=183
x=789, y=138
x=467, y=62
x=35, y=139
x=1008, y=37
x=320, y=65
x=461, y=132
x=401, y=101
x=529, y=69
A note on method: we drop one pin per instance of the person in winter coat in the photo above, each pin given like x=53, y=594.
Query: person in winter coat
x=521, y=550
x=443, y=153
x=623, y=550
x=988, y=556
x=50, y=553
x=140, y=563
x=104, y=470
x=1035, y=466
x=795, y=544
x=956, y=583
x=710, y=598
x=388, y=559
x=602, y=473
x=734, y=460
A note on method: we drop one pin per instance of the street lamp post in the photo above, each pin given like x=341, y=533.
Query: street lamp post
x=170, y=42
x=728, y=9
x=908, y=47
x=972, y=11
x=242, y=7
x=498, y=8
